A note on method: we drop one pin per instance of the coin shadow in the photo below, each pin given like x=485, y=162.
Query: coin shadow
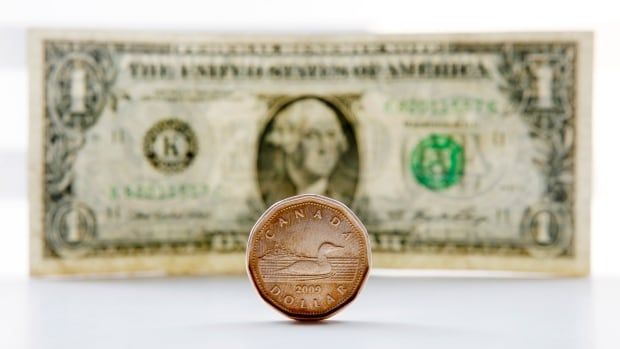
x=356, y=325
x=331, y=333
x=362, y=325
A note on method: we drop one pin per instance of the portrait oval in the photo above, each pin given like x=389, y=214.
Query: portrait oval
x=308, y=146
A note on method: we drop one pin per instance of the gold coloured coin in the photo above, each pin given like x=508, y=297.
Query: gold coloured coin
x=308, y=256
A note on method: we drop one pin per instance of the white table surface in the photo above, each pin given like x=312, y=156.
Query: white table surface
x=391, y=312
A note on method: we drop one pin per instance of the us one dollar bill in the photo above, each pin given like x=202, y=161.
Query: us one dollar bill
x=156, y=153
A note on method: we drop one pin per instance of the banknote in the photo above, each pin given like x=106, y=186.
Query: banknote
x=155, y=153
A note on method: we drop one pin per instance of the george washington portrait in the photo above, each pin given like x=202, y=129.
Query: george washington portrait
x=308, y=147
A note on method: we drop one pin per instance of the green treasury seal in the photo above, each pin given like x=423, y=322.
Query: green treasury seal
x=437, y=162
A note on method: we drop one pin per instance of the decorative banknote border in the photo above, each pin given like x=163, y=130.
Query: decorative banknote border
x=550, y=118
x=78, y=78
x=70, y=112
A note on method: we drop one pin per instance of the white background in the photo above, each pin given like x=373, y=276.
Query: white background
x=420, y=312
x=315, y=16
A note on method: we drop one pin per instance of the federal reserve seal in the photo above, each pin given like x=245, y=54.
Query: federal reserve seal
x=170, y=145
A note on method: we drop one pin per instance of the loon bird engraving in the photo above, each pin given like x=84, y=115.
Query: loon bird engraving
x=310, y=267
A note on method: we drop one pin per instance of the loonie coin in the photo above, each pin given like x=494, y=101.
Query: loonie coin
x=308, y=256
